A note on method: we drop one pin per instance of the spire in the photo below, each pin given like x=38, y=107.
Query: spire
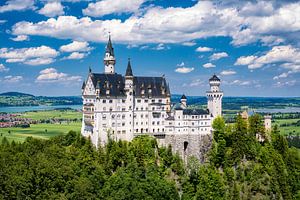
x=109, y=47
x=128, y=70
x=90, y=69
x=183, y=97
x=214, y=78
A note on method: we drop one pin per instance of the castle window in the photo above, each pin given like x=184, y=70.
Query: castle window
x=123, y=116
x=123, y=109
x=113, y=116
x=159, y=100
x=123, y=100
x=110, y=109
x=123, y=123
x=139, y=101
x=104, y=117
x=104, y=108
x=104, y=101
x=153, y=100
x=110, y=101
x=146, y=100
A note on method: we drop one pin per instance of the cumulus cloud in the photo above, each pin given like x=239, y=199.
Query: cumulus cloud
x=50, y=75
x=293, y=68
x=182, y=69
x=278, y=54
x=20, y=38
x=209, y=65
x=239, y=82
x=52, y=9
x=12, y=79
x=106, y=7
x=204, y=49
x=217, y=56
x=17, y=5
x=228, y=72
x=32, y=56
x=75, y=46
x=3, y=68
x=75, y=56
x=176, y=24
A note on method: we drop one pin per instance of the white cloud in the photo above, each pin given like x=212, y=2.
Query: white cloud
x=106, y=7
x=12, y=79
x=50, y=75
x=2, y=21
x=239, y=82
x=31, y=56
x=277, y=54
x=285, y=83
x=209, y=65
x=217, y=56
x=204, y=49
x=75, y=56
x=189, y=44
x=161, y=46
x=180, y=64
x=228, y=72
x=3, y=68
x=293, y=68
x=76, y=46
x=245, y=60
x=177, y=25
x=184, y=70
x=17, y=5
x=52, y=9
x=20, y=38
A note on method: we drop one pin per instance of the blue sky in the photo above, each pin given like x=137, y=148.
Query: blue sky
x=47, y=46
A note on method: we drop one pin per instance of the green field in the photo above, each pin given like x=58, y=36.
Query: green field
x=288, y=130
x=42, y=131
x=50, y=114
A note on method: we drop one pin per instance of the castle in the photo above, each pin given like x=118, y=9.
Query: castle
x=122, y=107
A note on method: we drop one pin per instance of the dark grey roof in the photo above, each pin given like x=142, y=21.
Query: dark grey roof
x=214, y=78
x=183, y=97
x=152, y=86
x=109, y=47
x=157, y=86
x=83, y=85
x=113, y=82
x=128, y=70
x=195, y=112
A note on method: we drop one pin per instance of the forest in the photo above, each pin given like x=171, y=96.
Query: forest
x=238, y=166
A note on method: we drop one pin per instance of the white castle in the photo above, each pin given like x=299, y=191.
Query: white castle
x=122, y=107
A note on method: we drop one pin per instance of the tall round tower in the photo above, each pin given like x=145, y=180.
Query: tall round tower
x=214, y=97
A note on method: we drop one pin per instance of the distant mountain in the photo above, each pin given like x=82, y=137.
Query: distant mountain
x=16, y=94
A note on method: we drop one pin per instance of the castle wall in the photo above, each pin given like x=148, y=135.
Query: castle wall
x=187, y=145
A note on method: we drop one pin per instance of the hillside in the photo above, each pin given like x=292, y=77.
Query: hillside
x=69, y=167
x=22, y=99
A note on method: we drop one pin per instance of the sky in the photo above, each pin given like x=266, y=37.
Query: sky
x=47, y=46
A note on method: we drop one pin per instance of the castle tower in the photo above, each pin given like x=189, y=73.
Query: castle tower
x=183, y=101
x=268, y=122
x=214, y=97
x=109, y=58
x=129, y=90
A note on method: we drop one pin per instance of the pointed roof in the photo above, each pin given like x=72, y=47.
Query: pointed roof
x=214, y=78
x=83, y=85
x=109, y=47
x=128, y=70
x=183, y=97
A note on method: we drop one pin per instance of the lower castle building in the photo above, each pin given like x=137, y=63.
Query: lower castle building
x=122, y=107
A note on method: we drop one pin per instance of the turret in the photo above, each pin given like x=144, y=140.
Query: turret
x=183, y=101
x=109, y=58
x=214, y=97
x=130, y=101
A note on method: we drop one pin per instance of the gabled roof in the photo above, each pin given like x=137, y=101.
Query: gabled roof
x=214, y=78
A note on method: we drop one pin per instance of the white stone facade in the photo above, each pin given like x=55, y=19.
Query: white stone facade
x=126, y=106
